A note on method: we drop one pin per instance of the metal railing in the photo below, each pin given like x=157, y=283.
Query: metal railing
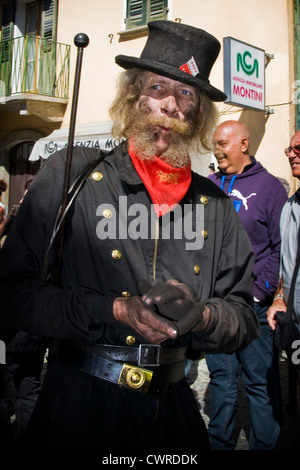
x=30, y=64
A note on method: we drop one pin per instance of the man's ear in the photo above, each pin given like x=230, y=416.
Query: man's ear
x=245, y=145
x=129, y=88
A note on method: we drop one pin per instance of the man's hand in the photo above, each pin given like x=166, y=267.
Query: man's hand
x=277, y=306
x=133, y=312
x=174, y=300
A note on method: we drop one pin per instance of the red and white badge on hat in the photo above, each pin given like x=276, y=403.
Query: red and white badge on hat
x=190, y=67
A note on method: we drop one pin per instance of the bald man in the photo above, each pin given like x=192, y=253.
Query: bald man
x=258, y=198
x=289, y=229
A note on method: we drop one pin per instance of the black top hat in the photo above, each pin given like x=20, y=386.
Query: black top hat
x=180, y=52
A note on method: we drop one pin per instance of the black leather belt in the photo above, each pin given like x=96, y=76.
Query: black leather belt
x=102, y=361
x=146, y=355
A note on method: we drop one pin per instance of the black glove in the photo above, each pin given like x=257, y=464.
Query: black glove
x=143, y=319
x=175, y=301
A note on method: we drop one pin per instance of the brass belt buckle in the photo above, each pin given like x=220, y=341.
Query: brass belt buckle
x=135, y=378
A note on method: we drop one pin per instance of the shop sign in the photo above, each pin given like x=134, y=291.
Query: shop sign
x=244, y=74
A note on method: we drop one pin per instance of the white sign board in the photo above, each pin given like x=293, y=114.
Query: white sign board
x=244, y=74
x=96, y=135
x=43, y=148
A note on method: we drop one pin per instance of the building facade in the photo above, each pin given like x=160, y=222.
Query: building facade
x=38, y=58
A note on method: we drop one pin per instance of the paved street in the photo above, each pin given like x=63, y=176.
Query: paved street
x=290, y=434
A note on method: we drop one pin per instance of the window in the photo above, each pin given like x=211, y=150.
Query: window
x=140, y=12
x=28, y=63
x=32, y=18
x=41, y=19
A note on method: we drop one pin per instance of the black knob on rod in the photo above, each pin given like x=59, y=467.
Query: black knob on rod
x=81, y=40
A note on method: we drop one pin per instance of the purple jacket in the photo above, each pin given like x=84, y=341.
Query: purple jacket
x=258, y=198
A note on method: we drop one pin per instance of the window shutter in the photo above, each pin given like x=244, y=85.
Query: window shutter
x=8, y=20
x=47, y=73
x=49, y=20
x=7, y=33
x=136, y=13
x=158, y=10
x=139, y=12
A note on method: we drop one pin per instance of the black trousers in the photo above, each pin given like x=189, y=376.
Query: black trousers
x=78, y=411
x=25, y=369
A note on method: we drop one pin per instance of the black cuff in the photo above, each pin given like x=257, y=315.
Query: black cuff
x=103, y=307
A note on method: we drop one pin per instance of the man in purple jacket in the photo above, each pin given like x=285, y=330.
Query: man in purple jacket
x=258, y=198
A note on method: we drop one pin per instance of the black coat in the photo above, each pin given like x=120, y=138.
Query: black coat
x=219, y=270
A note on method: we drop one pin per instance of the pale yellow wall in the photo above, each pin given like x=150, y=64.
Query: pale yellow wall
x=98, y=19
x=263, y=23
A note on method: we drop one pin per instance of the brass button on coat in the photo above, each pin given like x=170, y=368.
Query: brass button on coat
x=204, y=233
x=107, y=213
x=125, y=293
x=196, y=269
x=203, y=200
x=130, y=340
x=97, y=176
x=116, y=254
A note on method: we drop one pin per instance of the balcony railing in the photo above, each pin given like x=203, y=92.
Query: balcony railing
x=30, y=64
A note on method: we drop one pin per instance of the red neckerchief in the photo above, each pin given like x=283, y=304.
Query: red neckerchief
x=166, y=185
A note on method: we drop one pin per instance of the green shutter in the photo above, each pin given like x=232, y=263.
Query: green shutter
x=8, y=20
x=140, y=12
x=49, y=20
x=136, y=13
x=7, y=33
x=158, y=10
x=47, y=72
